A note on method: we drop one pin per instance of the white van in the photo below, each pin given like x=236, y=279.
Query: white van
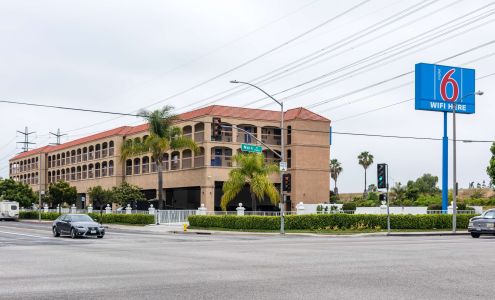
x=9, y=210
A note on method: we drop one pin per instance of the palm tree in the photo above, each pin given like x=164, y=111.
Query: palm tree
x=251, y=169
x=335, y=170
x=399, y=191
x=163, y=136
x=365, y=159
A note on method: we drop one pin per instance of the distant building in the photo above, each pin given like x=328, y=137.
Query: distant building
x=189, y=179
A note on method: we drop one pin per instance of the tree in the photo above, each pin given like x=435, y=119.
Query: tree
x=16, y=191
x=427, y=184
x=365, y=159
x=126, y=193
x=163, y=136
x=490, y=170
x=251, y=169
x=399, y=192
x=100, y=196
x=61, y=192
x=335, y=170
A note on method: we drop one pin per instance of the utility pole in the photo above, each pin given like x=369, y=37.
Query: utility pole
x=58, y=136
x=26, y=141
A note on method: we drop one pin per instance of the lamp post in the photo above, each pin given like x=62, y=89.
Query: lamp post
x=454, y=165
x=282, y=147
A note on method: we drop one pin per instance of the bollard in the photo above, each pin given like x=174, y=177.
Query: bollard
x=184, y=226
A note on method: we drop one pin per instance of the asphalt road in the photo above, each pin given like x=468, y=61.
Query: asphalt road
x=129, y=264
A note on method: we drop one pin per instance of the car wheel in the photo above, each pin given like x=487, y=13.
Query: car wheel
x=475, y=235
x=100, y=236
x=55, y=232
x=73, y=233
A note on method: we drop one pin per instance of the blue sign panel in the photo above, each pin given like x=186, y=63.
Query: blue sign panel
x=439, y=87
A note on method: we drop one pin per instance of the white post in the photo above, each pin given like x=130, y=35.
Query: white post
x=90, y=209
x=201, y=210
x=240, y=210
x=45, y=208
x=151, y=210
x=383, y=208
x=300, y=209
x=108, y=209
x=128, y=209
x=73, y=209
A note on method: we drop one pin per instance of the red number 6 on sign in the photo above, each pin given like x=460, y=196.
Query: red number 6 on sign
x=446, y=80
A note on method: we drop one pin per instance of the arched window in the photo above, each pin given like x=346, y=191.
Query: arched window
x=84, y=172
x=111, y=148
x=110, y=168
x=242, y=133
x=67, y=157
x=49, y=177
x=78, y=155
x=221, y=157
x=58, y=160
x=91, y=171
x=165, y=162
x=186, y=159
x=104, y=169
x=97, y=170
x=187, y=131
x=175, y=160
x=199, y=158
x=29, y=164
x=67, y=174
x=78, y=173
x=91, y=152
x=58, y=175
x=63, y=159
x=153, y=165
x=289, y=159
x=28, y=181
x=146, y=165
x=97, y=152
x=199, y=132
x=128, y=167
x=36, y=178
x=49, y=161
x=137, y=166
x=270, y=135
x=104, y=149
x=73, y=157
x=289, y=135
x=62, y=175
x=85, y=154
x=73, y=173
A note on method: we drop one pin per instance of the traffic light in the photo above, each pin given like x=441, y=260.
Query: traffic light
x=286, y=181
x=217, y=128
x=382, y=176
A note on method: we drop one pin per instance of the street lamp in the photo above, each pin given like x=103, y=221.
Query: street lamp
x=454, y=175
x=282, y=146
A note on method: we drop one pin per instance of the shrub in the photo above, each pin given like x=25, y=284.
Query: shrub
x=435, y=207
x=139, y=219
x=329, y=221
x=349, y=206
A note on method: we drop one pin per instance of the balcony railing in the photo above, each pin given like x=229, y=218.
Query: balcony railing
x=245, y=138
x=221, y=161
x=199, y=161
x=199, y=136
x=187, y=163
x=225, y=137
x=146, y=168
x=271, y=139
x=174, y=165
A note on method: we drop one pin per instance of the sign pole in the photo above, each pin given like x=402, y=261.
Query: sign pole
x=454, y=175
x=445, y=166
x=388, y=207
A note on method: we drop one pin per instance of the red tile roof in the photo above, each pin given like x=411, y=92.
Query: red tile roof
x=299, y=113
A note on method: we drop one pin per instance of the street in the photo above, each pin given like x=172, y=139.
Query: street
x=132, y=264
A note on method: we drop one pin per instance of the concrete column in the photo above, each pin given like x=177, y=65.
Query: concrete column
x=207, y=155
x=208, y=196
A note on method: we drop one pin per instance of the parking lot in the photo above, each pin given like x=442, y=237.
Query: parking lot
x=137, y=264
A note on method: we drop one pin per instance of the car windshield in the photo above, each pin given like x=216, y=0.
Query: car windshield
x=490, y=214
x=81, y=218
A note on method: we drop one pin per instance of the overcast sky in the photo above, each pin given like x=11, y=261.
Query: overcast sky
x=126, y=55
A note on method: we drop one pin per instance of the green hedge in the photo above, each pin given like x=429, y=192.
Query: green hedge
x=139, y=219
x=330, y=221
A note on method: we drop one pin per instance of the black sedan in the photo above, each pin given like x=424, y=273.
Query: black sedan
x=77, y=225
x=484, y=224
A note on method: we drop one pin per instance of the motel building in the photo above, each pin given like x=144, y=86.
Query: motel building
x=190, y=179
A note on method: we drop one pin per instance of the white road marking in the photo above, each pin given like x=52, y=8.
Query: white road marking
x=23, y=234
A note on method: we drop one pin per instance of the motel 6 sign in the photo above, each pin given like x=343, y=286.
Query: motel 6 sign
x=439, y=87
